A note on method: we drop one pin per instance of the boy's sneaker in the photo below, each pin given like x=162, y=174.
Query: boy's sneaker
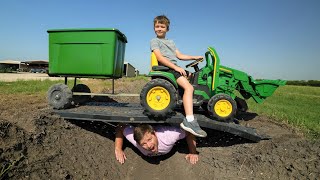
x=193, y=128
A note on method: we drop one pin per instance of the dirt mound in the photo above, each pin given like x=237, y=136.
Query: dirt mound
x=57, y=149
x=37, y=144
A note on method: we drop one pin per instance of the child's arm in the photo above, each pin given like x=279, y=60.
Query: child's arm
x=118, y=143
x=187, y=57
x=193, y=156
x=163, y=60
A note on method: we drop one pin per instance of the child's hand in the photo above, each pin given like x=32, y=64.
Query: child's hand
x=192, y=158
x=120, y=156
x=197, y=57
x=181, y=71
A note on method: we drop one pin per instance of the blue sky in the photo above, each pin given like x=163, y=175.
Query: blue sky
x=268, y=39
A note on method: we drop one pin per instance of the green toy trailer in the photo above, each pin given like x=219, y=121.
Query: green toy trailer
x=78, y=53
x=86, y=52
x=214, y=89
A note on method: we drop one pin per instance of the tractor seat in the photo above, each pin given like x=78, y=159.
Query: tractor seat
x=155, y=64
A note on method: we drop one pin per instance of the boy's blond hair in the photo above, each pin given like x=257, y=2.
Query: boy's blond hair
x=163, y=20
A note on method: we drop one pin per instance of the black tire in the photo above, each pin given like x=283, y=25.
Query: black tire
x=242, y=105
x=222, y=107
x=204, y=106
x=59, y=96
x=81, y=99
x=152, y=98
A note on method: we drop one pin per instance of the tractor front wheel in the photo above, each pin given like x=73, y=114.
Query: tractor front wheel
x=222, y=107
x=158, y=98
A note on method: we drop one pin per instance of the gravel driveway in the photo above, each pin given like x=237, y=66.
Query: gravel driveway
x=9, y=77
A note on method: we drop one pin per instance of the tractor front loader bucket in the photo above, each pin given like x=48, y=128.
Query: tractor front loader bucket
x=259, y=90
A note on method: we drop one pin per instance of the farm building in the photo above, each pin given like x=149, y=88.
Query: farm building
x=10, y=64
x=25, y=66
x=34, y=64
x=129, y=70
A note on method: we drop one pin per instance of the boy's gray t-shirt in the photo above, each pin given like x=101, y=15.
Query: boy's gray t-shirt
x=166, y=47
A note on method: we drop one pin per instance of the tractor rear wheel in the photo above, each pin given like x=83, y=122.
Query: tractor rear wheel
x=59, y=96
x=158, y=98
x=81, y=99
x=222, y=107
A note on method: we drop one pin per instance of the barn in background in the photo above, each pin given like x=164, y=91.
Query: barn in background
x=129, y=70
x=10, y=65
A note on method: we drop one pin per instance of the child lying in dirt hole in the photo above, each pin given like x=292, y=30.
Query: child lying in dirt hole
x=154, y=141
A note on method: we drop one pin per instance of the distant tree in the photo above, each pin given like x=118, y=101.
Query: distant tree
x=315, y=83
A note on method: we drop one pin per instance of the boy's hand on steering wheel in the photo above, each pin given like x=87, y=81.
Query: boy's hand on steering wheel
x=197, y=58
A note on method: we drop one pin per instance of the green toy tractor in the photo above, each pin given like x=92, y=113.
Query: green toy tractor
x=214, y=89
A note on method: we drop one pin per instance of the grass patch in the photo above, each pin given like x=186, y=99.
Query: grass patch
x=296, y=105
x=29, y=87
x=42, y=86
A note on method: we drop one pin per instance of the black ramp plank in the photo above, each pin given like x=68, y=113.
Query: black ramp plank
x=133, y=113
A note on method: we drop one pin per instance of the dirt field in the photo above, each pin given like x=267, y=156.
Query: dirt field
x=37, y=144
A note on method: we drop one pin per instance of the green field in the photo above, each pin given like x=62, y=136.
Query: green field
x=295, y=105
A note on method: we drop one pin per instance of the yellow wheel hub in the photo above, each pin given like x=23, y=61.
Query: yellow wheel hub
x=158, y=98
x=223, y=108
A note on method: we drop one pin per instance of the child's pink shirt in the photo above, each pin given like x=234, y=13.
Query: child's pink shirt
x=167, y=137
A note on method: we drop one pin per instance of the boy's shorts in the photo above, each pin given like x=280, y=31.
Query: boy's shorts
x=177, y=74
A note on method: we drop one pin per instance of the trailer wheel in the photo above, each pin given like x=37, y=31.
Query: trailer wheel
x=59, y=96
x=81, y=99
x=222, y=107
x=158, y=97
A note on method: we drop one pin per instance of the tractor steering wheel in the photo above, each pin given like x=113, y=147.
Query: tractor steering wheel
x=194, y=63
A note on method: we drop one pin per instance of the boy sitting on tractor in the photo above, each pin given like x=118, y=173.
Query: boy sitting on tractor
x=167, y=55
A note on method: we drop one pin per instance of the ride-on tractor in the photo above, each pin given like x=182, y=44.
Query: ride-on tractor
x=99, y=53
x=214, y=85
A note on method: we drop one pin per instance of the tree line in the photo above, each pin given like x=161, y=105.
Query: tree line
x=315, y=83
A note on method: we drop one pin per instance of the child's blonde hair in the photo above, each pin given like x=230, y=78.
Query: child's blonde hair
x=163, y=20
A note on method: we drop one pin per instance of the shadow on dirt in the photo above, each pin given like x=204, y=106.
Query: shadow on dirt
x=102, y=99
x=246, y=116
x=101, y=128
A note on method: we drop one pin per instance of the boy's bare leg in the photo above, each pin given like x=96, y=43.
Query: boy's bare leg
x=190, y=125
x=187, y=95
